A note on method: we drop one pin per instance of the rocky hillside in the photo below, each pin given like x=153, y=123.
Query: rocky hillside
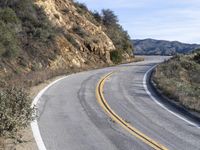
x=43, y=38
x=161, y=47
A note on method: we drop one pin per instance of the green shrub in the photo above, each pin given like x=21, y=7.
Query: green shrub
x=15, y=110
x=9, y=44
x=116, y=56
x=7, y=15
x=42, y=35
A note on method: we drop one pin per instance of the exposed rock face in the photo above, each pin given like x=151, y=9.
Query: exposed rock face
x=161, y=47
x=81, y=43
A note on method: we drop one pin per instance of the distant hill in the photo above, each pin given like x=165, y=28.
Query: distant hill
x=161, y=47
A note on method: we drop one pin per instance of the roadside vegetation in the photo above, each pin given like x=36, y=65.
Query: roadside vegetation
x=25, y=35
x=15, y=110
x=178, y=79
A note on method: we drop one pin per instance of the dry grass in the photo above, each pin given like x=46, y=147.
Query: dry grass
x=179, y=80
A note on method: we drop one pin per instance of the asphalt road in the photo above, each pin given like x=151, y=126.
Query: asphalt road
x=70, y=117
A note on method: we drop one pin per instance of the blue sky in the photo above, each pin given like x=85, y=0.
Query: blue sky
x=160, y=19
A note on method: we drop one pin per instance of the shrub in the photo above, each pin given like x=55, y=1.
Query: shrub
x=42, y=35
x=9, y=45
x=197, y=57
x=116, y=56
x=71, y=39
x=81, y=6
x=7, y=15
x=15, y=110
x=80, y=31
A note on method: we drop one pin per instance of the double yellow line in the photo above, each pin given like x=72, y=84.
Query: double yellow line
x=102, y=101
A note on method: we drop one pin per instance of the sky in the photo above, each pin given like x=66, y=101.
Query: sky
x=173, y=20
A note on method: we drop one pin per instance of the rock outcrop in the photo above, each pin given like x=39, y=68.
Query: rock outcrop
x=89, y=45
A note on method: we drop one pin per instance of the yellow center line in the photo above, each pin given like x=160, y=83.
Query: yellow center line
x=102, y=101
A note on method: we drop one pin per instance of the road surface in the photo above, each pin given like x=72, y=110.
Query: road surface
x=71, y=116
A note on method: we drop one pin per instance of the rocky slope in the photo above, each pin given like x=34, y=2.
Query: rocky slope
x=161, y=47
x=49, y=37
x=63, y=14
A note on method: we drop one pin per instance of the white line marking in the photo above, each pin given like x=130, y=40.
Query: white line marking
x=160, y=104
x=34, y=124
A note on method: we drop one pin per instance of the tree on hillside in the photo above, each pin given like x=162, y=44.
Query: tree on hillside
x=115, y=31
x=109, y=18
x=97, y=16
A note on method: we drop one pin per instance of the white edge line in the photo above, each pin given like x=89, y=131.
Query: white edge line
x=34, y=124
x=160, y=104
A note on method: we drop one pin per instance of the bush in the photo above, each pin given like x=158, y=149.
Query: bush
x=15, y=110
x=71, y=39
x=7, y=15
x=9, y=45
x=81, y=7
x=197, y=57
x=116, y=56
x=80, y=31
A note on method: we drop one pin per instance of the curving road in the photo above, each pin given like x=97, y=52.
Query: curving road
x=72, y=118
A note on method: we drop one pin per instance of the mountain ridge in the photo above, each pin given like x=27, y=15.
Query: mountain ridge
x=162, y=47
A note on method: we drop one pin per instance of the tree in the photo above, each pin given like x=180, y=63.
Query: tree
x=109, y=18
x=97, y=16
